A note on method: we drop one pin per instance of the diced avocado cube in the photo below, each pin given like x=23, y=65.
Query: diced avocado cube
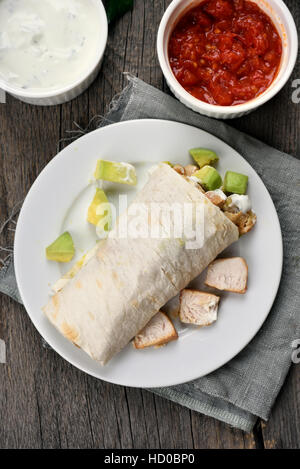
x=209, y=178
x=62, y=249
x=203, y=156
x=168, y=162
x=115, y=171
x=98, y=212
x=235, y=183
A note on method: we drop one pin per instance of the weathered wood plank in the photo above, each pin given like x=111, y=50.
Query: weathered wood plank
x=174, y=425
x=283, y=428
x=28, y=137
x=18, y=407
x=46, y=402
x=211, y=434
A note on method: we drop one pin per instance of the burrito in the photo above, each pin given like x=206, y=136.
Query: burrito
x=147, y=259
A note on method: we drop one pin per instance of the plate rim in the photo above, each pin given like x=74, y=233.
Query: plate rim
x=72, y=361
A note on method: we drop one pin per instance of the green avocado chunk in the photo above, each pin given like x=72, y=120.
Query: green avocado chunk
x=95, y=215
x=115, y=171
x=62, y=249
x=235, y=183
x=209, y=178
x=203, y=156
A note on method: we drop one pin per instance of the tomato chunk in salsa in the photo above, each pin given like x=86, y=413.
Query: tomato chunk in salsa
x=225, y=52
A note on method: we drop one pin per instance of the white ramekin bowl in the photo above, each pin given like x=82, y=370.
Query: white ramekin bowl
x=285, y=25
x=71, y=91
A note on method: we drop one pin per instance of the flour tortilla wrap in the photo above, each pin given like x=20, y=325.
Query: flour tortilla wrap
x=129, y=279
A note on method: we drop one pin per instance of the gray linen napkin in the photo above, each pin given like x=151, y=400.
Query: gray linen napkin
x=247, y=386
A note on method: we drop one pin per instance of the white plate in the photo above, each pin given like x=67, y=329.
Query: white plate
x=58, y=201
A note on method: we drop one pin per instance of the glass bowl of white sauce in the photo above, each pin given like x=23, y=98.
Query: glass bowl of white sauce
x=50, y=50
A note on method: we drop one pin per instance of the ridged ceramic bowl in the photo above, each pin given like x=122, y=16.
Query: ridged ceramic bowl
x=285, y=25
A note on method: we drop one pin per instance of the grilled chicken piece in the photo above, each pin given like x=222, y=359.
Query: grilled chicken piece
x=234, y=217
x=217, y=198
x=179, y=169
x=158, y=331
x=229, y=274
x=190, y=169
x=244, y=221
x=198, y=307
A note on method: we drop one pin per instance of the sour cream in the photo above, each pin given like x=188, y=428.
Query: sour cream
x=47, y=44
x=194, y=179
x=242, y=202
x=220, y=193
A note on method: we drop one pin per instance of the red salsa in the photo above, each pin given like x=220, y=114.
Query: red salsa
x=225, y=52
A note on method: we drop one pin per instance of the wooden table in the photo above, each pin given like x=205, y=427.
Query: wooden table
x=44, y=401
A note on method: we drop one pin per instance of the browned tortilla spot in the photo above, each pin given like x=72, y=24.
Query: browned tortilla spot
x=118, y=283
x=115, y=275
x=99, y=283
x=100, y=254
x=78, y=284
x=55, y=301
x=91, y=316
x=69, y=332
x=134, y=303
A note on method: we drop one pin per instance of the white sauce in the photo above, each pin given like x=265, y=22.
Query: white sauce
x=47, y=44
x=194, y=179
x=242, y=202
x=220, y=193
x=130, y=169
